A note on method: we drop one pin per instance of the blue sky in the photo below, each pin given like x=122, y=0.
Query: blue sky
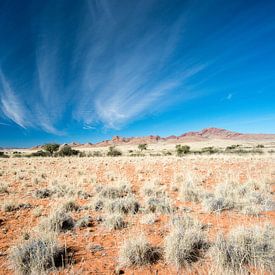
x=88, y=70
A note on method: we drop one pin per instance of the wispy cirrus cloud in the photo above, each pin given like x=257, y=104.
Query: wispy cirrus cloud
x=16, y=109
x=12, y=106
x=107, y=63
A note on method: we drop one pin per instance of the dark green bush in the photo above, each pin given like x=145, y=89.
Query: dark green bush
x=51, y=147
x=113, y=152
x=142, y=147
x=232, y=147
x=260, y=146
x=67, y=151
x=3, y=155
x=40, y=153
x=182, y=149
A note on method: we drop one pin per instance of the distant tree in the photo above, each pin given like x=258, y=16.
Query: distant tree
x=113, y=152
x=67, y=151
x=182, y=149
x=51, y=147
x=142, y=146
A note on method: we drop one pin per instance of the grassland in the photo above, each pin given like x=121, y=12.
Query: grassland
x=196, y=214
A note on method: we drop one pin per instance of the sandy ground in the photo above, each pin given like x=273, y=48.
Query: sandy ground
x=26, y=175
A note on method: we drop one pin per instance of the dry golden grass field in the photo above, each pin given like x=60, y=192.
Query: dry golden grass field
x=197, y=214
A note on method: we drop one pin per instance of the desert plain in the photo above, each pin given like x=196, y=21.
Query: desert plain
x=146, y=213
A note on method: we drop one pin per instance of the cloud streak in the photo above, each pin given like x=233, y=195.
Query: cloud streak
x=107, y=63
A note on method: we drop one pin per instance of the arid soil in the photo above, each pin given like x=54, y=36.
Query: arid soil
x=94, y=249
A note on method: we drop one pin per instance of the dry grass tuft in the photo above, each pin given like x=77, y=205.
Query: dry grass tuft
x=245, y=247
x=149, y=218
x=158, y=205
x=247, y=198
x=4, y=188
x=138, y=252
x=183, y=247
x=115, y=221
x=58, y=221
x=190, y=191
x=36, y=256
x=125, y=205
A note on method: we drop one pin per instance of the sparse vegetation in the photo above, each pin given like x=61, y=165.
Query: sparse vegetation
x=94, y=203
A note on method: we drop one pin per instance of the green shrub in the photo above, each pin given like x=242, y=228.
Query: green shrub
x=142, y=146
x=51, y=147
x=3, y=155
x=232, y=147
x=209, y=150
x=67, y=151
x=40, y=153
x=182, y=149
x=260, y=146
x=113, y=152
